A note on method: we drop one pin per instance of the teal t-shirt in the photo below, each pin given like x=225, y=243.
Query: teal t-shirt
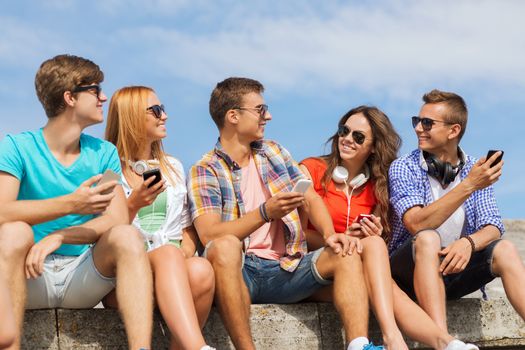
x=27, y=157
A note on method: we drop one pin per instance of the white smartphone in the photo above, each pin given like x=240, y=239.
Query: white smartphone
x=109, y=175
x=301, y=186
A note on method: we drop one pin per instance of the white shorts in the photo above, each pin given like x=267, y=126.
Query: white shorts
x=71, y=282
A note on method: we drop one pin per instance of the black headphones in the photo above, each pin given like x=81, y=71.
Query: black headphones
x=444, y=172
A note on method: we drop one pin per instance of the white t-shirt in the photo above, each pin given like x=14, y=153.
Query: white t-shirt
x=177, y=212
x=454, y=226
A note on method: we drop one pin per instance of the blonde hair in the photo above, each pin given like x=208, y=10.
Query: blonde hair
x=125, y=128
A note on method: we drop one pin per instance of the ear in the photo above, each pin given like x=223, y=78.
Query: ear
x=69, y=99
x=232, y=116
x=454, y=132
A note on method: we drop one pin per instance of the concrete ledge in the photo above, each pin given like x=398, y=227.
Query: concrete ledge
x=309, y=325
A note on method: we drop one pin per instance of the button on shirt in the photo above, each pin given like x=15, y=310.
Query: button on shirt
x=409, y=186
x=214, y=186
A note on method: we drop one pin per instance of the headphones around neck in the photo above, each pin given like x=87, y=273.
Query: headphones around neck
x=340, y=175
x=140, y=166
x=442, y=171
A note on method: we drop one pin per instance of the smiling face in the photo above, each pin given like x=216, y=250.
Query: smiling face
x=439, y=137
x=251, y=120
x=349, y=150
x=89, y=106
x=155, y=128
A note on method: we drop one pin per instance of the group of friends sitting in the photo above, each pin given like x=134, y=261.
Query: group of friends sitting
x=84, y=220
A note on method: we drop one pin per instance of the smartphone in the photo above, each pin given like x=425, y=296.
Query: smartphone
x=109, y=175
x=491, y=153
x=362, y=216
x=301, y=186
x=152, y=172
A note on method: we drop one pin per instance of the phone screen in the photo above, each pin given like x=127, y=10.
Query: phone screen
x=152, y=172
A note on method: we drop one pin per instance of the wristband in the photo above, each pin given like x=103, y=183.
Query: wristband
x=471, y=241
x=264, y=214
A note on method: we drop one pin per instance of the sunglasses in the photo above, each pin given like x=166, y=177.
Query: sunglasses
x=261, y=110
x=157, y=110
x=357, y=136
x=96, y=89
x=426, y=123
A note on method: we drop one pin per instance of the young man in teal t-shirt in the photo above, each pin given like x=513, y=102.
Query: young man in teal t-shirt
x=65, y=242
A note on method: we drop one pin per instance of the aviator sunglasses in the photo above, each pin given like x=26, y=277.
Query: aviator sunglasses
x=357, y=136
x=157, y=110
x=426, y=123
x=91, y=88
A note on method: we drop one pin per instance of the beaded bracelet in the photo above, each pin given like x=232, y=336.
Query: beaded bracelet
x=263, y=213
x=471, y=241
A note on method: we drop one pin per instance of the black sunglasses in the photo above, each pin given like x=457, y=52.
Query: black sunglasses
x=92, y=88
x=358, y=136
x=426, y=123
x=157, y=110
x=261, y=109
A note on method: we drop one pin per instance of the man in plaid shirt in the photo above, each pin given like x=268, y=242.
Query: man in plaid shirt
x=447, y=227
x=247, y=216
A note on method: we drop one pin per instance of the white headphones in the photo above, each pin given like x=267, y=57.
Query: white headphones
x=140, y=166
x=340, y=175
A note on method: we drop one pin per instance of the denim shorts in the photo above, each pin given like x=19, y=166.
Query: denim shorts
x=71, y=282
x=476, y=274
x=267, y=282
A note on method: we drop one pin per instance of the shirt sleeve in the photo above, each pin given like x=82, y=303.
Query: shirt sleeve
x=487, y=212
x=113, y=160
x=404, y=190
x=204, y=192
x=185, y=219
x=314, y=169
x=10, y=158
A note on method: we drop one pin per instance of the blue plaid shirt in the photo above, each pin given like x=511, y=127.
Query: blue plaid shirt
x=409, y=186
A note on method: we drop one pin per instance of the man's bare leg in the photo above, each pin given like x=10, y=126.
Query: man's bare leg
x=120, y=253
x=349, y=290
x=508, y=265
x=428, y=282
x=231, y=294
x=15, y=241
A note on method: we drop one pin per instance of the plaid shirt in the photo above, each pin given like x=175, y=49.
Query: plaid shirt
x=409, y=186
x=214, y=186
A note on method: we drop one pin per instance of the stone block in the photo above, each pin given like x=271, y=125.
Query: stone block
x=40, y=330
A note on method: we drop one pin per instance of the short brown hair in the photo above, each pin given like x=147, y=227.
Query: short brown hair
x=60, y=74
x=457, y=112
x=228, y=95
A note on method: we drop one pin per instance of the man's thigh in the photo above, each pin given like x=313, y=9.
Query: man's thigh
x=68, y=282
x=275, y=285
x=477, y=273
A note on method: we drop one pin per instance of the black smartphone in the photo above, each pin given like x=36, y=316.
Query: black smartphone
x=491, y=153
x=152, y=172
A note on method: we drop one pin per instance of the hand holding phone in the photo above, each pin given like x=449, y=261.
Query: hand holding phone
x=362, y=216
x=152, y=172
x=498, y=159
x=301, y=186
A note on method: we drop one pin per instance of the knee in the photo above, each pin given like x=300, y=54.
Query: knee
x=167, y=254
x=16, y=238
x=225, y=252
x=125, y=239
x=427, y=241
x=373, y=244
x=505, y=256
x=201, y=274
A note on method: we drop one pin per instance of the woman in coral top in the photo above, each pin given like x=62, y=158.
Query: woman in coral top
x=352, y=180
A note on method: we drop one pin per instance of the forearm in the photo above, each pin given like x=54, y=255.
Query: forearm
x=189, y=241
x=35, y=212
x=240, y=228
x=320, y=217
x=485, y=236
x=435, y=214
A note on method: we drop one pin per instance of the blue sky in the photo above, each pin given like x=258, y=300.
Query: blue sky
x=316, y=59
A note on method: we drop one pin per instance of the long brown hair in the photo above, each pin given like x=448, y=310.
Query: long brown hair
x=125, y=128
x=386, y=143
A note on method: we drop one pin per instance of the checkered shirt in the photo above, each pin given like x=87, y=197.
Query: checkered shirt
x=409, y=186
x=214, y=186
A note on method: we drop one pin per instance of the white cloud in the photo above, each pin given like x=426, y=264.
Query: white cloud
x=403, y=45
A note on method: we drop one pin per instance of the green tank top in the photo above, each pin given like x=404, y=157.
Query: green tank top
x=153, y=216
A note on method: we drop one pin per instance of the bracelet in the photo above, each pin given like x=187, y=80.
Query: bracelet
x=471, y=241
x=264, y=213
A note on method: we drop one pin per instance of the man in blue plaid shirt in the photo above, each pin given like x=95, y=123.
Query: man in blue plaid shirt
x=447, y=227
